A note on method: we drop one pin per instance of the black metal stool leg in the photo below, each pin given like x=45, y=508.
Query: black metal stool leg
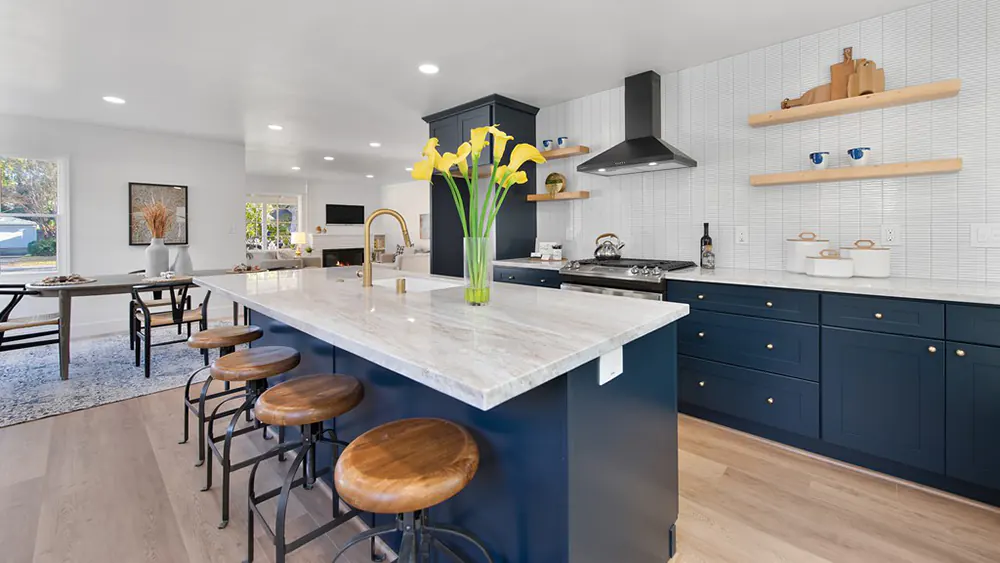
x=211, y=436
x=459, y=533
x=227, y=460
x=201, y=421
x=187, y=399
x=366, y=535
x=279, y=524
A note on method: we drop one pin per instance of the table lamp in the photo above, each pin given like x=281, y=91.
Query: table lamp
x=298, y=239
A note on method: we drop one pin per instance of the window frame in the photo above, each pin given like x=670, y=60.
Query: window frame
x=275, y=199
x=62, y=217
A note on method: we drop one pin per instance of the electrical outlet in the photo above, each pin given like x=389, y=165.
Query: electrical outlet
x=985, y=235
x=742, y=235
x=892, y=235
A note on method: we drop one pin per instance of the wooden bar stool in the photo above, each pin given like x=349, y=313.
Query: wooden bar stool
x=225, y=339
x=304, y=402
x=252, y=367
x=404, y=468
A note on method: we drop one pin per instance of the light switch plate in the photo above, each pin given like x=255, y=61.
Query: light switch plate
x=742, y=235
x=610, y=366
x=985, y=235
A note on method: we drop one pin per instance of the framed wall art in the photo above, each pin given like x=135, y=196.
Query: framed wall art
x=175, y=197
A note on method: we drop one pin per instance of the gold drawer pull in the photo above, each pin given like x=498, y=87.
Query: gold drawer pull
x=960, y=353
x=701, y=335
x=932, y=349
x=770, y=400
x=878, y=316
x=700, y=296
x=701, y=384
x=770, y=346
x=769, y=304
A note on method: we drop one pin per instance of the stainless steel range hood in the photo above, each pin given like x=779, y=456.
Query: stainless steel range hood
x=642, y=150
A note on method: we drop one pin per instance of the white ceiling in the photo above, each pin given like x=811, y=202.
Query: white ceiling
x=338, y=74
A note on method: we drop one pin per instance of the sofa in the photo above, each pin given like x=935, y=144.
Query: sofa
x=273, y=259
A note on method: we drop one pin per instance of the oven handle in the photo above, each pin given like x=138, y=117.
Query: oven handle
x=613, y=291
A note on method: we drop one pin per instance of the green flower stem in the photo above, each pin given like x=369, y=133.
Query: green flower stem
x=459, y=202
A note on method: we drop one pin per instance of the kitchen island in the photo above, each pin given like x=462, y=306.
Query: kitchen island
x=571, y=469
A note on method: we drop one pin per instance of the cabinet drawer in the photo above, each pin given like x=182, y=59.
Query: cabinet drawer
x=774, y=400
x=775, y=346
x=527, y=276
x=894, y=316
x=978, y=325
x=973, y=414
x=885, y=395
x=784, y=304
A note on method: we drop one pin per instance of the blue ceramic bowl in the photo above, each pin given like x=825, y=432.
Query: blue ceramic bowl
x=859, y=155
x=819, y=160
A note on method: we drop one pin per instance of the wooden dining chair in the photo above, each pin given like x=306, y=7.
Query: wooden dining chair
x=155, y=302
x=178, y=315
x=37, y=335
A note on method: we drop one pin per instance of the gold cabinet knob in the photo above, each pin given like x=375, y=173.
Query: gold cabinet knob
x=960, y=353
x=701, y=384
x=878, y=315
x=700, y=296
x=770, y=346
x=542, y=280
x=701, y=335
x=769, y=304
x=932, y=349
x=770, y=400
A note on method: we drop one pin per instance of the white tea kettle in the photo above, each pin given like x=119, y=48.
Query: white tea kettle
x=608, y=250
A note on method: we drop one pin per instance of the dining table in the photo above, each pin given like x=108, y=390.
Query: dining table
x=103, y=285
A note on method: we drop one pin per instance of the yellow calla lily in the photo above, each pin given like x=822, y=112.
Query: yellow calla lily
x=423, y=170
x=478, y=139
x=523, y=153
x=463, y=158
x=430, y=148
x=502, y=171
x=446, y=161
x=519, y=177
x=499, y=143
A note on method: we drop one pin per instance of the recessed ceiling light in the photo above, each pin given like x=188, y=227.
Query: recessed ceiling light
x=113, y=100
x=602, y=169
x=374, y=144
x=274, y=127
x=428, y=68
x=369, y=176
x=327, y=158
x=652, y=164
x=296, y=168
x=408, y=169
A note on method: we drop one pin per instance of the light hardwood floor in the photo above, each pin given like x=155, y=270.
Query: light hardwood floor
x=112, y=484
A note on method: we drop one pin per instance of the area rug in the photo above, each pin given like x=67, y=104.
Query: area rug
x=102, y=371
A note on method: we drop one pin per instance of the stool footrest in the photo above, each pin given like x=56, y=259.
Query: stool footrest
x=306, y=538
x=192, y=404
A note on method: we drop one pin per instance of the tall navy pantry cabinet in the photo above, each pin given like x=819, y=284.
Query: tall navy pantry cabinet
x=515, y=228
x=902, y=386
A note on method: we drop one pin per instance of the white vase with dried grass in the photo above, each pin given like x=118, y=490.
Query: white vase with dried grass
x=159, y=219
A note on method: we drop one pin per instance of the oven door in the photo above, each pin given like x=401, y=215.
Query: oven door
x=652, y=296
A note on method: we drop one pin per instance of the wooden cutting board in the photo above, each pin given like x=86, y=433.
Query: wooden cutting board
x=840, y=74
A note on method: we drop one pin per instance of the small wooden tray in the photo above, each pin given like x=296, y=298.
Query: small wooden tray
x=60, y=284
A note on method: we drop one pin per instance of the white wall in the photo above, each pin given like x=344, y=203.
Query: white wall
x=347, y=192
x=102, y=162
x=705, y=114
x=411, y=199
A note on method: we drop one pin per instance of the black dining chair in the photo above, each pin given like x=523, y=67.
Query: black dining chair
x=37, y=337
x=156, y=301
x=178, y=315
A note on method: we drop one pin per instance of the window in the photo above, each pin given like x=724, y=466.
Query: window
x=270, y=221
x=29, y=216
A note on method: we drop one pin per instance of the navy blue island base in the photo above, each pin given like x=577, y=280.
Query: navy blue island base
x=571, y=471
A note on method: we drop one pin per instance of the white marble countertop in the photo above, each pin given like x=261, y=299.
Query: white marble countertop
x=530, y=263
x=482, y=356
x=906, y=288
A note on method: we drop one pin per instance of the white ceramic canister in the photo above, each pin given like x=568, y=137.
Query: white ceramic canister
x=870, y=261
x=799, y=248
x=829, y=264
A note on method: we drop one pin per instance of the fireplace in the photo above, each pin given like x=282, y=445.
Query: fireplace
x=343, y=257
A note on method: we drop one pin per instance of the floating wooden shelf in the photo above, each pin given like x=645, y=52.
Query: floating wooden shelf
x=556, y=154
x=887, y=99
x=921, y=168
x=559, y=196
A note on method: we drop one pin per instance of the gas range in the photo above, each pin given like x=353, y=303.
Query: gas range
x=643, y=278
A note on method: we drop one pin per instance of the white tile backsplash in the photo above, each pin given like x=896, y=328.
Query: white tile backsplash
x=705, y=110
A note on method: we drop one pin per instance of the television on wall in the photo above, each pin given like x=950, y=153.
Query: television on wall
x=345, y=214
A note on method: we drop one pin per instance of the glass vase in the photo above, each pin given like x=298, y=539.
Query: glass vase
x=478, y=270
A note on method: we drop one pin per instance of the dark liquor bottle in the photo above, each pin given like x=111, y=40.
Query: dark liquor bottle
x=707, y=254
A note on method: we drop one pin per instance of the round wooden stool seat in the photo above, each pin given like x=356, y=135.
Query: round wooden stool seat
x=255, y=363
x=406, y=465
x=309, y=399
x=224, y=337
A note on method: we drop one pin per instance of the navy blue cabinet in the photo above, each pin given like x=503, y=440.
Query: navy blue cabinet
x=895, y=316
x=527, y=276
x=885, y=395
x=766, y=302
x=775, y=346
x=977, y=325
x=974, y=414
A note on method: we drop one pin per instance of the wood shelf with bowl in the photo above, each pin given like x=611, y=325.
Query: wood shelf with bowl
x=887, y=99
x=561, y=196
x=921, y=168
x=566, y=152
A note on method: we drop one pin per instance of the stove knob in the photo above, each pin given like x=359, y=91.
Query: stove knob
x=657, y=271
x=645, y=270
x=634, y=270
